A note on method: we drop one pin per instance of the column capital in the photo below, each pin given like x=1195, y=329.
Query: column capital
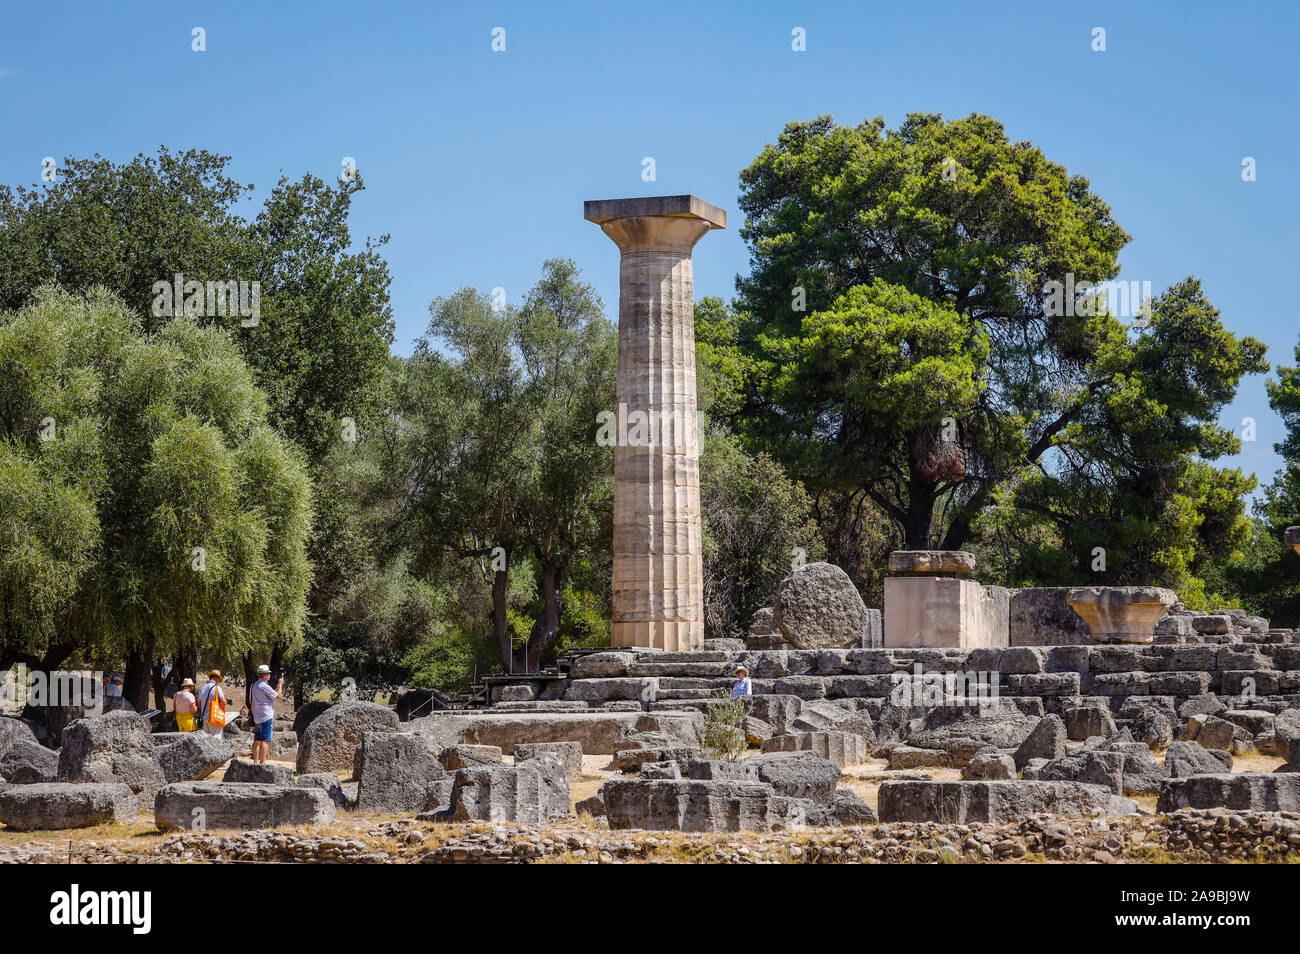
x=663, y=223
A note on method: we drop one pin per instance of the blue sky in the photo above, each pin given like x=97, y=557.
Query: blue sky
x=477, y=162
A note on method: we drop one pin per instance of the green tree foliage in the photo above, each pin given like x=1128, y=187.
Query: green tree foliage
x=940, y=356
x=174, y=517
x=494, y=457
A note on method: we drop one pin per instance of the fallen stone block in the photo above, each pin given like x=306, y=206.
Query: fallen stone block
x=395, y=770
x=1286, y=730
x=569, y=754
x=842, y=748
x=989, y=765
x=467, y=756
x=1242, y=791
x=194, y=757
x=1046, y=741
x=330, y=742
x=818, y=607
x=1088, y=721
x=1184, y=759
x=605, y=690
x=54, y=806
x=612, y=665
x=29, y=763
x=327, y=782
x=598, y=732
x=995, y=802
x=693, y=805
x=846, y=808
x=111, y=748
x=14, y=730
x=907, y=757
x=1216, y=733
x=802, y=775
x=533, y=792
x=200, y=806
x=268, y=773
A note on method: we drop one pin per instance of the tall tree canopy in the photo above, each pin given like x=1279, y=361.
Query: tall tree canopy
x=920, y=326
x=169, y=515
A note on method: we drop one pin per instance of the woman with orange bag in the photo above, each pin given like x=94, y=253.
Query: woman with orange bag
x=212, y=705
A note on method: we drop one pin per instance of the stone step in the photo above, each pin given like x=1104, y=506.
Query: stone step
x=694, y=656
x=694, y=682
x=712, y=669
x=685, y=694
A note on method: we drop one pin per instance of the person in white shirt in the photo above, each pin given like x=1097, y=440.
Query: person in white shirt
x=261, y=698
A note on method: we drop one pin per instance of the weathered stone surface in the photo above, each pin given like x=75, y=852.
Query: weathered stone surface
x=327, y=782
x=994, y=802
x=998, y=723
x=641, y=690
x=661, y=770
x=569, y=754
x=467, y=756
x=533, y=792
x=14, y=730
x=1286, y=729
x=1040, y=616
x=1205, y=704
x=1142, y=774
x=842, y=748
x=611, y=665
x=1243, y=791
x=693, y=805
x=846, y=808
x=990, y=764
x=395, y=772
x=598, y=732
x=268, y=773
x=763, y=631
x=111, y=748
x=818, y=607
x=643, y=747
x=194, y=757
x=795, y=774
x=53, y=806
x=1184, y=759
x=29, y=763
x=331, y=741
x=1091, y=767
x=593, y=806
x=931, y=562
x=1086, y=722
x=756, y=730
x=210, y=805
x=907, y=757
x=1121, y=614
x=1216, y=733
x=1046, y=741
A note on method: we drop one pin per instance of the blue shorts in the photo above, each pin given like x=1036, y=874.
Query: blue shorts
x=262, y=730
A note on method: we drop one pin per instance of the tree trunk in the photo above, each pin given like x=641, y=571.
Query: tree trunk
x=501, y=618
x=547, y=626
x=138, y=677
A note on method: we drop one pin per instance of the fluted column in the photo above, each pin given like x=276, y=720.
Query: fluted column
x=658, y=569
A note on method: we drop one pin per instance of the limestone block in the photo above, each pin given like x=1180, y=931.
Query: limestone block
x=52, y=806
x=1121, y=614
x=995, y=802
x=944, y=612
x=244, y=805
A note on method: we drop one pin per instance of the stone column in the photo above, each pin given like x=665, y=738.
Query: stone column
x=658, y=571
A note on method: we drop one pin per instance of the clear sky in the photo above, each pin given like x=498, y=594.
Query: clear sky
x=477, y=162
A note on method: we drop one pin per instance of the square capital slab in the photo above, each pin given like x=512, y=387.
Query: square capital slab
x=682, y=206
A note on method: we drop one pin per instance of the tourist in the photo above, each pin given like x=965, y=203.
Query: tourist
x=743, y=686
x=186, y=705
x=113, y=686
x=212, y=705
x=262, y=700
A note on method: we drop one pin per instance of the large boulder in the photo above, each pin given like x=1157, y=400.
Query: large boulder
x=1242, y=791
x=818, y=607
x=331, y=741
x=52, y=806
x=534, y=792
x=1286, y=730
x=111, y=748
x=1090, y=766
x=395, y=772
x=29, y=763
x=1086, y=722
x=1046, y=741
x=1184, y=759
x=842, y=748
x=467, y=756
x=996, y=802
x=569, y=754
x=14, y=730
x=194, y=757
x=200, y=806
